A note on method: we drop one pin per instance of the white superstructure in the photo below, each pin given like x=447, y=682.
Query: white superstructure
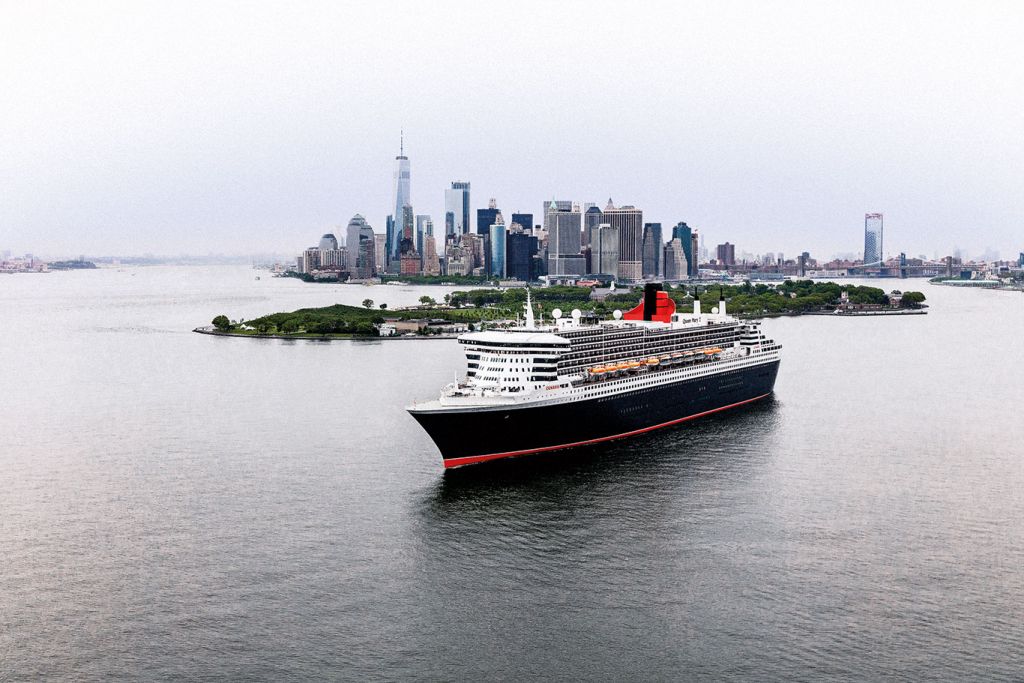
x=571, y=360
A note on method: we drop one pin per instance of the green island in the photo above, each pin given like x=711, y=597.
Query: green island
x=481, y=308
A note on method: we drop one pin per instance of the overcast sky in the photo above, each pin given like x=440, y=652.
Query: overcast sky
x=171, y=127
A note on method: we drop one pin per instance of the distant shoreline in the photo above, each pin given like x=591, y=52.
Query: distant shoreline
x=320, y=337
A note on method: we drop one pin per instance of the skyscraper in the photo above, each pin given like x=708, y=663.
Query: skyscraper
x=456, y=208
x=409, y=258
x=525, y=220
x=402, y=199
x=485, y=217
x=652, y=251
x=380, y=252
x=431, y=263
x=366, y=256
x=424, y=227
x=328, y=242
x=676, y=266
x=563, y=226
x=352, y=233
x=685, y=235
x=872, y=238
x=629, y=221
x=604, y=250
x=693, y=260
x=591, y=219
x=520, y=250
x=497, y=246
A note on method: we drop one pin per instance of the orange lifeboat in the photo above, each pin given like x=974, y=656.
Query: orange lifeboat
x=652, y=361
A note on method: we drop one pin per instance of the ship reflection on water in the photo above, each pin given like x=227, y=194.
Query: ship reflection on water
x=733, y=443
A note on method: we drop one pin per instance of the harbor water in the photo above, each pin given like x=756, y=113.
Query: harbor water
x=176, y=505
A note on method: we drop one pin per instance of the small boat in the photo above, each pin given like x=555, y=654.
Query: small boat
x=652, y=361
x=677, y=357
x=664, y=360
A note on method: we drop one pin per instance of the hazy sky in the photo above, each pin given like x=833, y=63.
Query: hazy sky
x=171, y=127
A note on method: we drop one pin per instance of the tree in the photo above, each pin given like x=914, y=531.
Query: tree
x=289, y=326
x=427, y=300
x=383, y=307
x=364, y=327
x=222, y=323
x=912, y=299
x=262, y=327
x=367, y=303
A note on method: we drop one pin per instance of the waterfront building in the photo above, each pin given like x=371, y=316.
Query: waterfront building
x=591, y=219
x=563, y=226
x=652, y=251
x=521, y=248
x=726, y=254
x=629, y=221
x=604, y=250
x=496, y=263
x=676, y=266
x=456, y=208
x=872, y=238
x=310, y=260
x=333, y=259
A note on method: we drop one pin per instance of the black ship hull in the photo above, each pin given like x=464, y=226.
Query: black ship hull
x=470, y=436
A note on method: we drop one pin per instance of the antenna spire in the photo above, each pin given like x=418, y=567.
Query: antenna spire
x=401, y=142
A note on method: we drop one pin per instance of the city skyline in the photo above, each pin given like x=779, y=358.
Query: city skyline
x=767, y=127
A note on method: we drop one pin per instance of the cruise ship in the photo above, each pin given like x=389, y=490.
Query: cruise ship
x=572, y=383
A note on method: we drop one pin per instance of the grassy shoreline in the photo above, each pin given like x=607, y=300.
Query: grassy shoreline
x=478, y=307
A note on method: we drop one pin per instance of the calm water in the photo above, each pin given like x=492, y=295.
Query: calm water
x=181, y=506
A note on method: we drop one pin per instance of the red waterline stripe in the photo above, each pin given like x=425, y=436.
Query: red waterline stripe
x=471, y=459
